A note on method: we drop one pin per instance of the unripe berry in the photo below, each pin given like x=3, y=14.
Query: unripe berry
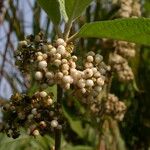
x=98, y=88
x=89, y=83
x=57, y=62
x=90, y=58
x=34, y=111
x=49, y=75
x=39, y=53
x=38, y=75
x=36, y=132
x=61, y=49
x=59, y=75
x=98, y=58
x=54, y=123
x=43, y=94
x=45, y=56
x=91, y=53
x=42, y=64
x=30, y=117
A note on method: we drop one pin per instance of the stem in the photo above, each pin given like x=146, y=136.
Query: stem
x=58, y=131
x=72, y=38
x=67, y=30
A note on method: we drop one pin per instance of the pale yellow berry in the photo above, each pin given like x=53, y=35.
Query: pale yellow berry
x=57, y=62
x=38, y=75
x=54, y=123
x=43, y=124
x=57, y=56
x=67, y=86
x=65, y=67
x=45, y=56
x=81, y=83
x=83, y=90
x=60, y=41
x=61, y=49
x=59, y=75
x=64, y=61
x=39, y=53
x=90, y=59
x=43, y=94
x=65, y=72
x=88, y=73
x=97, y=74
x=74, y=58
x=49, y=101
x=39, y=58
x=49, y=46
x=72, y=64
x=52, y=51
x=88, y=65
x=36, y=132
x=42, y=64
x=100, y=81
x=67, y=79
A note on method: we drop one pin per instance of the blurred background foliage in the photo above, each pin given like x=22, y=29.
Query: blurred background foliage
x=19, y=18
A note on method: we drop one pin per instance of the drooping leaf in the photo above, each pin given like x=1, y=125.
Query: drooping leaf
x=52, y=8
x=74, y=8
x=135, y=30
x=76, y=124
x=83, y=147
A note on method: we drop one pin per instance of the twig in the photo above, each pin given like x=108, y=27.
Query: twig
x=58, y=131
x=72, y=38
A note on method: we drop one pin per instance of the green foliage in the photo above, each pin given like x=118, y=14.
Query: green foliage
x=52, y=8
x=132, y=30
x=74, y=8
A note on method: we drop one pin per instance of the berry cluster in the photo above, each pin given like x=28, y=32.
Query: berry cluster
x=38, y=114
x=124, y=50
x=115, y=107
x=120, y=65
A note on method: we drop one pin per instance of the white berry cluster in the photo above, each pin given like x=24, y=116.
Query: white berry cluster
x=38, y=114
x=120, y=65
x=57, y=66
x=91, y=80
x=125, y=49
x=115, y=107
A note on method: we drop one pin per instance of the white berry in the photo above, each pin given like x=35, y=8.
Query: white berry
x=38, y=75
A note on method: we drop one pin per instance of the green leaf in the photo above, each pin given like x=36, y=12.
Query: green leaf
x=52, y=8
x=74, y=8
x=135, y=30
x=75, y=124
x=78, y=148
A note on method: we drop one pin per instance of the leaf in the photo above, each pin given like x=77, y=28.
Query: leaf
x=75, y=124
x=52, y=8
x=74, y=8
x=135, y=30
x=78, y=148
x=62, y=10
